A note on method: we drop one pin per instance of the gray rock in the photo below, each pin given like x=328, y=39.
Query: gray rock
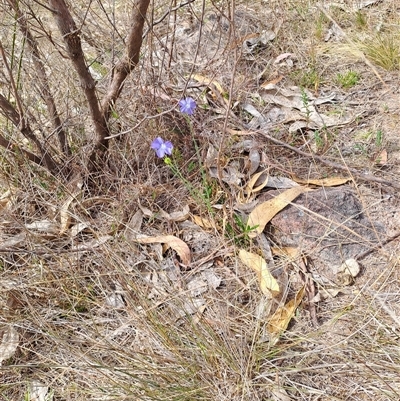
x=327, y=224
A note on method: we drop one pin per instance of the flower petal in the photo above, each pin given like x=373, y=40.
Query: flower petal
x=160, y=152
x=168, y=147
x=187, y=105
x=157, y=143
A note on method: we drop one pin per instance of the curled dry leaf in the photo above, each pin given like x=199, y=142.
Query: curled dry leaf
x=264, y=212
x=178, y=216
x=197, y=286
x=279, y=321
x=348, y=271
x=5, y=199
x=280, y=183
x=254, y=159
x=203, y=222
x=175, y=243
x=256, y=183
x=9, y=339
x=350, y=266
x=282, y=57
x=288, y=251
x=78, y=228
x=65, y=215
x=268, y=284
x=324, y=182
x=201, y=79
x=293, y=107
x=134, y=225
x=91, y=244
x=229, y=174
x=13, y=241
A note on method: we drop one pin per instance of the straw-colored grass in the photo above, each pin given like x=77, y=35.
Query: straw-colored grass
x=101, y=316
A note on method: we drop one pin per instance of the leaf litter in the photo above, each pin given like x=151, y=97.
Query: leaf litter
x=245, y=182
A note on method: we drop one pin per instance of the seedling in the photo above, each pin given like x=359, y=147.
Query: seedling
x=348, y=79
x=239, y=232
x=306, y=103
x=379, y=138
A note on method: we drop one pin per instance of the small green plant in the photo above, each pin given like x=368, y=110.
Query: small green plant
x=320, y=25
x=360, y=148
x=361, y=19
x=164, y=149
x=191, y=166
x=319, y=141
x=307, y=78
x=239, y=231
x=379, y=138
x=348, y=79
x=306, y=103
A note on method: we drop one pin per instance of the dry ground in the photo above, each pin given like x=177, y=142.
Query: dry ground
x=98, y=315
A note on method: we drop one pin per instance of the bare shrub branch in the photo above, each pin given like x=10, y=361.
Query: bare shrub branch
x=71, y=36
x=43, y=79
x=125, y=66
x=19, y=120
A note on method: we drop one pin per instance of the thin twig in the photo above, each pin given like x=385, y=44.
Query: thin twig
x=42, y=78
x=363, y=255
x=19, y=119
x=353, y=171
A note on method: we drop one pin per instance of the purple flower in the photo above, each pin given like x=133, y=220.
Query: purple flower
x=162, y=147
x=187, y=105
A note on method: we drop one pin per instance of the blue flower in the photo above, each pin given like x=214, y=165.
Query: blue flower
x=162, y=147
x=187, y=105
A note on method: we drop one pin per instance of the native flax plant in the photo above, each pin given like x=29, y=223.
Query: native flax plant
x=71, y=54
x=187, y=106
x=164, y=149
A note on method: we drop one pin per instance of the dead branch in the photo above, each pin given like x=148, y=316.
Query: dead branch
x=11, y=114
x=329, y=163
x=15, y=150
x=125, y=66
x=19, y=119
x=71, y=36
x=43, y=79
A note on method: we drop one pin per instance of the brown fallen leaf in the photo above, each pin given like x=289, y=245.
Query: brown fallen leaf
x=211, y=83
x=264, y=212
x=323, y=182
x=288, y=251
x=180, y=215
x=279, y=321
x=253, y=186
x=175, y=243
x=5, y=199
x=75, y=188
x=268, y=284
x=273, y=81
x=203, y=222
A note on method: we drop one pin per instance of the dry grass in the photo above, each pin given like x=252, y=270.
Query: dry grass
x=118, y=320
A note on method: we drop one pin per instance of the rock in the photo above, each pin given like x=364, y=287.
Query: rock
x=327, y=224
